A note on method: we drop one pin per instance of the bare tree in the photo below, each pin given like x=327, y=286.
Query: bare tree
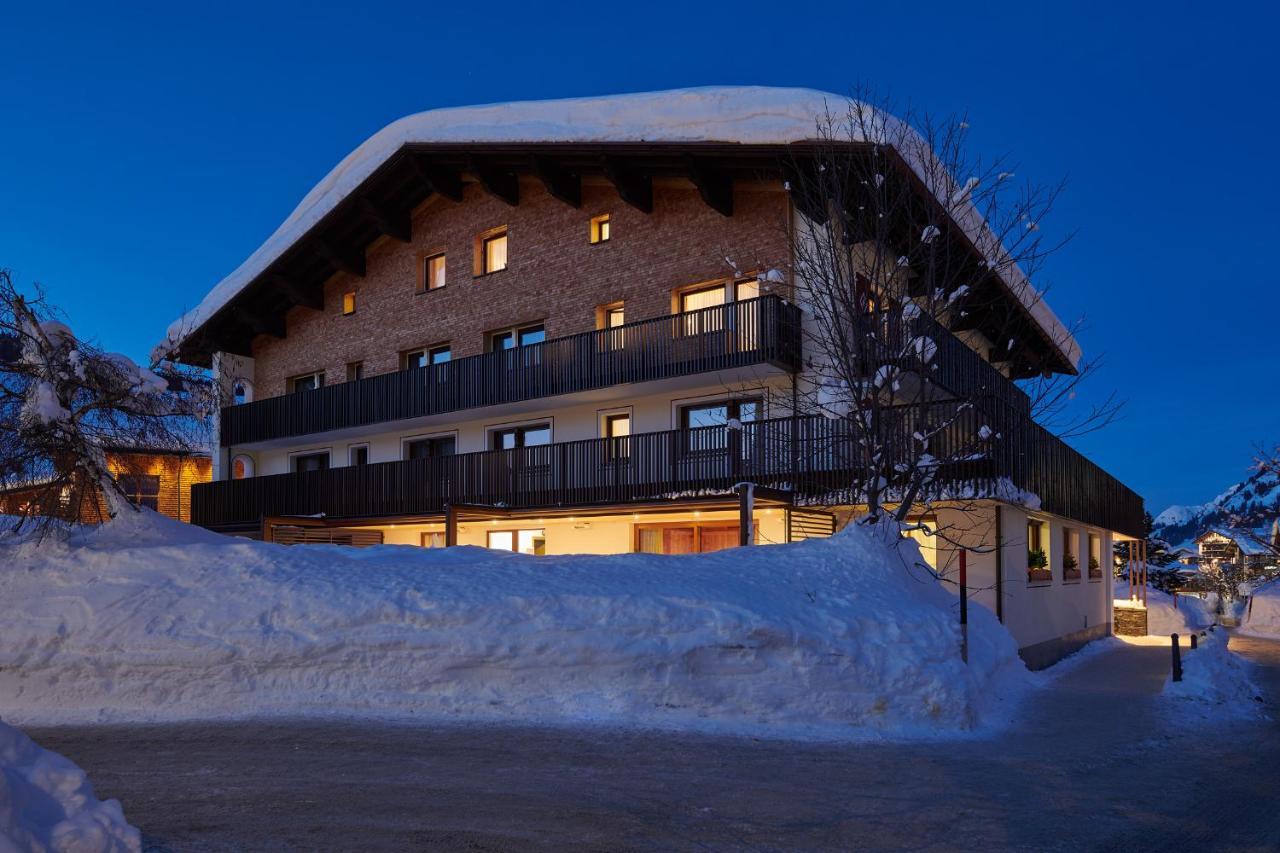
x=902, y=238
x=66, y=405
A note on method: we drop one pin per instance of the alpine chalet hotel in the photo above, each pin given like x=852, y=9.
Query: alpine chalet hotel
x=546, y=327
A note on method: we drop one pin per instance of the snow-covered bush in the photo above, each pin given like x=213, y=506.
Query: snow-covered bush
x=47, y=804
x=148, y=619
x=1215, y=680
x=1262, y=613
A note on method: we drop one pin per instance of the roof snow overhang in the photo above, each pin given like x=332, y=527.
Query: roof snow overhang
x=708, y=137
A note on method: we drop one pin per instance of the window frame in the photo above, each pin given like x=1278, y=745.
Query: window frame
x=698, y=527
x=326, y=452
x=355, y=370
x=516, y=332
x=428, y=353
x=351, y=450
x=1070, y=547
x=491, y=433
x=423, y=283
x=317, y=375
x=406, y=441
x=600, y=229
x=482, y=242
x=515, y=539
x=1044, y=576
x=348, y=302
x=733, y=411
x=138, y=496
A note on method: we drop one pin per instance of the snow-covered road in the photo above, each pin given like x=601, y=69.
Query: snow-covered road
x=1093, y=764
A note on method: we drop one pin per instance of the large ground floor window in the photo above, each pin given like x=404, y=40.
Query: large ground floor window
x=685, y=537
x=524, y=541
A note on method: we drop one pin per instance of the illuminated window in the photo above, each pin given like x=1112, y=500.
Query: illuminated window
x=493, y=252
x=141, y=489
x=614, y=316
x=434, y=272
x=242, y=467
x=1038, y=569
x=524, y=541
x=433, y=540
x=601, y=228
x=617, y=426
x=349, y=302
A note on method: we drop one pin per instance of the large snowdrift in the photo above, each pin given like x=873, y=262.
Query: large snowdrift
x=1262, y=615
x=47, y=804
x=149, y=619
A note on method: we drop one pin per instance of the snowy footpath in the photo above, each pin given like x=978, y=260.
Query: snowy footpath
x=1095, y=761
x=149, y=620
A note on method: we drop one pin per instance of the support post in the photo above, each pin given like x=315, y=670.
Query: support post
x=964, y=605
x=746, y=506
x=1194, y=640
x=1177, y=658
x=450, y=526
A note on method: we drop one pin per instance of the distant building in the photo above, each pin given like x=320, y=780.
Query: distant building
x=158, y=479
x=1248, y=549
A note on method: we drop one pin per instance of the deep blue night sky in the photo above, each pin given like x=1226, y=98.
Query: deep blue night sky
x=145, y=154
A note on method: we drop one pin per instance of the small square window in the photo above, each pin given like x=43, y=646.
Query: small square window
x=493, y=253
x=601, y=228
x=358, y=454
x=434, y=272
x=349, y=302
x=355, y=370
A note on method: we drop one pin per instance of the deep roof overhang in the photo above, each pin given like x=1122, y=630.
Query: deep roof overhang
x=382, y=206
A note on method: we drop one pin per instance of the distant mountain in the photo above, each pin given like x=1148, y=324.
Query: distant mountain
x=1256, y=498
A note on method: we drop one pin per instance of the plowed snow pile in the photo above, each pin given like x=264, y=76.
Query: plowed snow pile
x=147, y=619
x=47, y=804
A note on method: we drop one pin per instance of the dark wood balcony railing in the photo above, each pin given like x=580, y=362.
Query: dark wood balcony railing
x=816, y=459
x=960, y=372
x=756, y=331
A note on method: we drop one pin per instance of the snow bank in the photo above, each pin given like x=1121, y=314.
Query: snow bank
x=1215, y=680
x=47, y=804
x=1190, y=613
x=1262, y=615
x=148, y=619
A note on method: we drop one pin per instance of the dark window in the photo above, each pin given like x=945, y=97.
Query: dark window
x=430, y=448
x=522, y=336
x=141, y=489
x=695, y=419
x=311, y=462
x=532, y=435
x=423, y=357
x=309, y=382
x=355, y=370
x=360, y=455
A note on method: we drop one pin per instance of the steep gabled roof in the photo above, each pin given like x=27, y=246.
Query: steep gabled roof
x=740, y=116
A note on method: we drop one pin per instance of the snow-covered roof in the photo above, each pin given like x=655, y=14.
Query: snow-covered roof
x=746, y=115
x=1250, y=542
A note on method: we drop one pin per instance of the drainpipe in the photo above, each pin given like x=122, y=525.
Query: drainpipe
x=999, y=567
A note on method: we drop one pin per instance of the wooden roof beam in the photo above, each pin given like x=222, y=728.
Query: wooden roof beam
x=560, y=183
x=714, y=185
x=297, y=294
x=342, y=260
x=634, y=188
x=260, y=323
x=438, y=179
x=497, y=182
x=394, y=224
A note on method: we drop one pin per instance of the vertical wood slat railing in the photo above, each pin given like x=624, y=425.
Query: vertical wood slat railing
x=737, y=334
x=814, y=458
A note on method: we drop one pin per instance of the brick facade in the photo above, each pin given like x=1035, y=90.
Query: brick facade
x=554, y=274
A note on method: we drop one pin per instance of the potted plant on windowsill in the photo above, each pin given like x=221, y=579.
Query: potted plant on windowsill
x=1037, y=565
x=1095, y=568
x=1070, y=566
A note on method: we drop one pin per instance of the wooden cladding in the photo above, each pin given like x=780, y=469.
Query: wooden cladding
x=812, y=457
x=757, y=331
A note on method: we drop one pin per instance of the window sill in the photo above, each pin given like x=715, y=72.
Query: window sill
x=481, y=275
x=1039, y=584
x=1075, y=582
x=430, y=290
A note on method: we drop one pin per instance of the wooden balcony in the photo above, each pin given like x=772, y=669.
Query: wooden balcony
x=740, y=334
x=815, y=459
